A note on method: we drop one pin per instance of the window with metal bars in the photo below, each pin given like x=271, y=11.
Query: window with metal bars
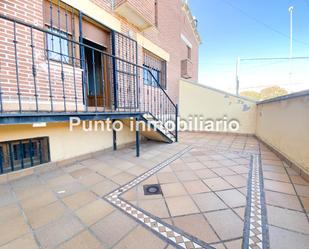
x=25, y=153
x=58, y=49
x=155, y=70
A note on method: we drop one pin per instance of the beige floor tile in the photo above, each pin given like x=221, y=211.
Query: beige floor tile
x=212, y=164
x=283, y=239
x=195, y=187
x=228, y=163
x=240, y=169
x=131, y=195
x=113, y=228
x=284, y=218
x=186, y=175
x=25, y=242
x=9, y=212
x=219, y=246
x=237, y=181
x=136, y=170
x=156, y=207
x=205, y=173
x=283, y=200
x=141, y=238
x=282, y=177
x=197, y=226
x=232, y=198
x=296, y=179
x=226, y=224
x=208, y=202
x=281, y=187
x=123, y=178
x=12, y=229
x=305, y=201
x=272, y=162
x=302, y=190
x=83, y=240
x=224, y=171
x=79, y=173
x=179, y=166
x=196, y=166
x=166, y=177
x=151, y=180
x=217, y=184
x=68, y=189
x=91, y=179
x=272, y=168
x=173, y=189
x=181, y=205
x=240, y=211
x=94, y=211
x=79, y=199
x=45, y=215
x=110, y=172
x=61, y=180
x=30, y=191
x=59, y=231
x=104, y=187
x=41, y=200
x=235, y=244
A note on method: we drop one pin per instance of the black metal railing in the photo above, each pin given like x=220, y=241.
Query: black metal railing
x=44, y=70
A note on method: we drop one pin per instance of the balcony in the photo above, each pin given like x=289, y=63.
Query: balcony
x=139, y=13
x=50, y=83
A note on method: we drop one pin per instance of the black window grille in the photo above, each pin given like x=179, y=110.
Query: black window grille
x=58, y=49
x=20, y=154
x=155, y=70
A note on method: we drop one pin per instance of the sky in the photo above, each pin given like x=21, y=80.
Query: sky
x=252, y=29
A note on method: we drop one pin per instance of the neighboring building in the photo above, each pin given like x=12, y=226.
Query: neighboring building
x=92, y=59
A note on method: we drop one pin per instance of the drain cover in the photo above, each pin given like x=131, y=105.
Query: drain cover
x=153, y=189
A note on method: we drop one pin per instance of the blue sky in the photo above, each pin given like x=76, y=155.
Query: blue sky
x=248, y=29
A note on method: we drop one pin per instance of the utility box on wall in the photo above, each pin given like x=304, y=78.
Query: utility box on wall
x=186, y=69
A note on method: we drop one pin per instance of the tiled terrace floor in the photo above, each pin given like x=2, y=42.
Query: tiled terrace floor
x=204, y=182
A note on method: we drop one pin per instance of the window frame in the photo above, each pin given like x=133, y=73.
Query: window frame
x=157, y=66
x=14, y=157
x=59, y=54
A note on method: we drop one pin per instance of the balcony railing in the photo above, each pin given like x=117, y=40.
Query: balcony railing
x=77, y=77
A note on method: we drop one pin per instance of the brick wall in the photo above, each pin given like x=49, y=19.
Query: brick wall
x=48, y=80
x=172, y=22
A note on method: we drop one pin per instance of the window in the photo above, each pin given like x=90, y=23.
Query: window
x=151, y=76
x=189, y=53
x=58, y=48
x=155, y=70
x=19, y=154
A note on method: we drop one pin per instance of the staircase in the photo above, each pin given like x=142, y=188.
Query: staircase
x=158, y=131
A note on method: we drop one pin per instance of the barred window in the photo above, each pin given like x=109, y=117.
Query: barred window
x=20, y=154
x=58, y=48
x=154, y=70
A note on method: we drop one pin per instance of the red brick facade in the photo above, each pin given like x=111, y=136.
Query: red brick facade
x=172, y=23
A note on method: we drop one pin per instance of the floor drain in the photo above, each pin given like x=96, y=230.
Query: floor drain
x=153, y=189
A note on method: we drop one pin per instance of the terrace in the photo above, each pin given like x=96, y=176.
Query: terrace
x=210, y=185
x=228, y=189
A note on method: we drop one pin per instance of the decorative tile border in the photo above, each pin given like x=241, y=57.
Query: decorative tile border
x=255, y=226
x=255, y=229
x=171, y=234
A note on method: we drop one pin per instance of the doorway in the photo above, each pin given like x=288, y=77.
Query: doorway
x=98, y=87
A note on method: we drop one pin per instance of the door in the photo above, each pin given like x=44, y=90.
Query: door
x=98, y=87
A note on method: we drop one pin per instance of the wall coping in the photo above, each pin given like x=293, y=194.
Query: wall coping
x=219, y=91
x=285, y=97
